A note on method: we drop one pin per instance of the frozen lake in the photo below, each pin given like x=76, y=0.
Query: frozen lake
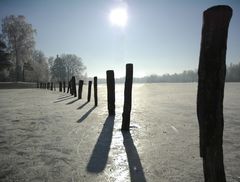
x=50, y=136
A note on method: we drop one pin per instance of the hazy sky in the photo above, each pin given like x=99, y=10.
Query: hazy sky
x=161, y=36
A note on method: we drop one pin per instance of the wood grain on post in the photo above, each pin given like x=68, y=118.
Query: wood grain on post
x=89, y=91
x=111, y=92
x=95, y=91
x=211, y=80
x=127, y=97
x=74, y=90
x=80, y=86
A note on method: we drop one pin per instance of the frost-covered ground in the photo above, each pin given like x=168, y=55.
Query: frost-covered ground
x=50, y=136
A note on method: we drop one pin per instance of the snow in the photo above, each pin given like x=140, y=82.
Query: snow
x=50, y=136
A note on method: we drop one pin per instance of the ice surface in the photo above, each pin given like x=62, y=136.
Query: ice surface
x=50, y=136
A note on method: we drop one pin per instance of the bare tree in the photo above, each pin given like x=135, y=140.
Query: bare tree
x=40, y=66
x=19, y=36
x=74, y=66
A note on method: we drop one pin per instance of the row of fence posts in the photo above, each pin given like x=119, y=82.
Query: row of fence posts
x=46, y=85
x=110, y=92
x=72, y=88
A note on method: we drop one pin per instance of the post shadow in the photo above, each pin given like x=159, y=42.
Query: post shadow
x=134, y=162
x=98, y=160
x=86, y=115
x=64, y=99
x=84, y=104
x=71, y=102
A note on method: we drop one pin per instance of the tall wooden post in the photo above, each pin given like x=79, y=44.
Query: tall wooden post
x=80, y=86
x=74, y=90
x=60, y=86
x=95, y=91
x=211, y=79
x=64, y=86
x=111, y=92
x=89, y=90
x=127, y=97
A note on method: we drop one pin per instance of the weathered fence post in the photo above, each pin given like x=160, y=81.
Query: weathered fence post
x=89, y=91
x=64, y=86
x=74, y=90
x=111, y=92
x=80, y=86
x=211, y=79
x=60, y=86
x=69, y=87
x=127, y=97
x=95, y=91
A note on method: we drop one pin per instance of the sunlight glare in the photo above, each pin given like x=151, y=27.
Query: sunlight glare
x=119, y=17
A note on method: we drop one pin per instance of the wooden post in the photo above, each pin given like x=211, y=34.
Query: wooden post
x=89, y=90
x=60, y=86
x=48, y=85
x=211, y=79
x=80, y=86
x=95, y=91
x=51, y=85
x=127, y=98
x=74, y=90
x=111, y=92
x=64, y=86
x=69, y=87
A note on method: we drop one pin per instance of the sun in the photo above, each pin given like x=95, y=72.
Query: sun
x=118, y=17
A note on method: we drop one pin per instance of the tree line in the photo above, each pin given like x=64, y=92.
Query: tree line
x=232, y=75
x=21, y=61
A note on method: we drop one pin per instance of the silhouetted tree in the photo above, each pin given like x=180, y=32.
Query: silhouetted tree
x=74, y=66
x=5, y=62
x=66, y=66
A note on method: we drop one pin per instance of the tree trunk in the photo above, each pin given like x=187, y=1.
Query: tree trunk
x=211, y=79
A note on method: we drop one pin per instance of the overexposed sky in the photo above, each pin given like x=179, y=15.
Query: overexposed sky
x=160, y=36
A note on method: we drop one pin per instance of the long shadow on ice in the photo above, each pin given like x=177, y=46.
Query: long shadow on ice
x=71, y=102
x=98, y=160
x=134, y=162
x=80, y=107
x=86, y=115
x=70, y=97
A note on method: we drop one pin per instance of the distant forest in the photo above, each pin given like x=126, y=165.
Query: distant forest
x=232, y=75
